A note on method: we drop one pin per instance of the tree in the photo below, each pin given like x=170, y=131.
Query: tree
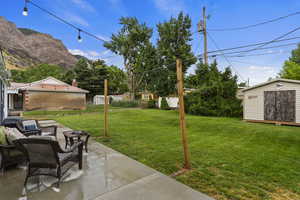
x=290, y=70
x=173, y=42
x=37, y=73
x=130, y=42
x=215, y=94
x=291, y=67
x=117, y=80
x=90, y=76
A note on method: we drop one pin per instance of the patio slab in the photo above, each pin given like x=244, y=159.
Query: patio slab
x=106, y=175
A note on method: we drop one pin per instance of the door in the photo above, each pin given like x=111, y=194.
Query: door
x=280, y=105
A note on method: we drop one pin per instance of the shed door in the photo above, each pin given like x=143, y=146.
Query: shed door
x=280, y=105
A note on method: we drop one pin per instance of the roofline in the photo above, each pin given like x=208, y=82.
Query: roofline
x=63, y=91
x=272, y=81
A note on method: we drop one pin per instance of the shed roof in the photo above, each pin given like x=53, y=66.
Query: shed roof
x=49, y=84
x=272, y=81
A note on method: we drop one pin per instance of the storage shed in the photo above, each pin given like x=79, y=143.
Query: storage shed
x=275, y=101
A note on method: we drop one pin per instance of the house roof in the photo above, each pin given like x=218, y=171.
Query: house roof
x=272, y=81
x=49, y=84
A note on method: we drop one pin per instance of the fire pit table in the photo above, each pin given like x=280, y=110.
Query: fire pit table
x=72, y=137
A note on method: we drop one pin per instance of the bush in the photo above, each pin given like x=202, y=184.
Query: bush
x=205, y=102
x=151, y=103
x=164, y=104
x=125, y=104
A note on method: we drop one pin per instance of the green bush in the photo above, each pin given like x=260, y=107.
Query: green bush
x=164, y=104
x=152, y=103
x=125, y=104
x=206, y=102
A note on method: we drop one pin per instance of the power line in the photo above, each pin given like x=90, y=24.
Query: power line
x=275, y=40
x=257, y=24
x=251, y=45
x=260, y=54
x=65, y=21
x=228, y=61
x=245, y=51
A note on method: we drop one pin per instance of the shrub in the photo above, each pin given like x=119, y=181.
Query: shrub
x=164, y=104
x=125, y=104
x=206, y=102
x=151, y=103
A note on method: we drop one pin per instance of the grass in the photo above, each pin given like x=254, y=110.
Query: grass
x=231, y=159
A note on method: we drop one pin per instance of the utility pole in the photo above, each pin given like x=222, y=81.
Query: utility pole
x=187, y=162
x=202, y=28
x=105, y=108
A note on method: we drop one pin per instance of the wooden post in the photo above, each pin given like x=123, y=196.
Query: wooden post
x=187, y=163
x=105, y=108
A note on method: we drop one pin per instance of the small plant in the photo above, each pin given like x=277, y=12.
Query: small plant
x=125, y=104
x=164, y=104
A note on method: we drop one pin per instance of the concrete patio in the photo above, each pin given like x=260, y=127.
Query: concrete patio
x=107, y=175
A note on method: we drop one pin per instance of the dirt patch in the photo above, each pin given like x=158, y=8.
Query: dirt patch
x=282, y=194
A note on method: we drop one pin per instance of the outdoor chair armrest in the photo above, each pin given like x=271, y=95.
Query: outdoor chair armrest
x=72, y=148
x=7, y=146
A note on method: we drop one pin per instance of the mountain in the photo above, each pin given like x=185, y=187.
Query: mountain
x=25, y=47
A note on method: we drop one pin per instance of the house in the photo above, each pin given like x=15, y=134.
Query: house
x=46, y=94
x=3, y=88
x=276, y=101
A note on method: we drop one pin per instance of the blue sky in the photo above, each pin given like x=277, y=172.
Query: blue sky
x=101, y=18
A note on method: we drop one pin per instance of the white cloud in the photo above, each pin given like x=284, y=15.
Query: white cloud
x=83, y=4
x=75, y=19
x=172, y=7
x=258, y=74
x=107, y=56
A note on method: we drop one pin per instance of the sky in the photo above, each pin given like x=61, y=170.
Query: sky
x=101, y=17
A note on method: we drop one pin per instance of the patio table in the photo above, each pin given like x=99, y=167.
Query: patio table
x=74, y=136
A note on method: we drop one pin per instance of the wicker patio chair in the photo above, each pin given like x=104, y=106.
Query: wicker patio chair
x=32, y=127
x=10, y=156
x=45, y=157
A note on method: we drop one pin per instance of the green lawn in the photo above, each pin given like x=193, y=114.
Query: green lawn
x=231, y=159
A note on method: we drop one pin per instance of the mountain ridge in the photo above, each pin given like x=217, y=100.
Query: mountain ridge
x=25, y=47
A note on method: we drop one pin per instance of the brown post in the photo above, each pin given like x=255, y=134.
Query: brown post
x=187, y=163
x=105, y=108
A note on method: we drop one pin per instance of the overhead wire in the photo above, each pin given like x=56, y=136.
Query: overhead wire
x=255, y=25
x=228, y=61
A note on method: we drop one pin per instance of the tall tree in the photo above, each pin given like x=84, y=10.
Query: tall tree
x=130, y=42
x=117, y=80
x=291, y=67
x=174, y=42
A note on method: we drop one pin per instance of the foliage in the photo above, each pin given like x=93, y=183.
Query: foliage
x=290, y=70
x=132, y=42
x=215, y=94
x=117, y=80
x=291, y=67
x=231, y=159
x=151, y=103
x=37, y=73
x=164, y=104
x=125, y=104
x=173, y=42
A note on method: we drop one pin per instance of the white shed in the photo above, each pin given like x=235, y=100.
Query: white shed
x=275, y=101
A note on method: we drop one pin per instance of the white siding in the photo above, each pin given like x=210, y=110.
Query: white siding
x=254, y=99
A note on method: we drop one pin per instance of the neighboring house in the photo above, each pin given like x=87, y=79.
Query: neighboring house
x=46, y=94
x=3, y=88
x=146, y=96
x=275, y=101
